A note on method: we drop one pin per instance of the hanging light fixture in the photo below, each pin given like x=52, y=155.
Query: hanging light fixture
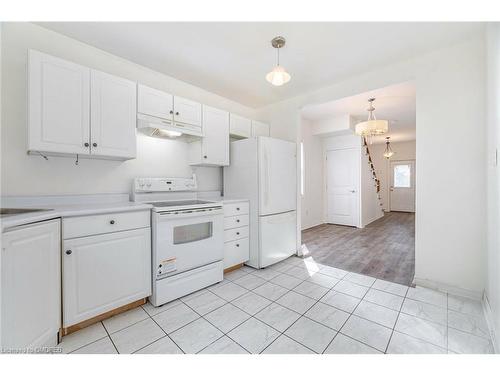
x=278, y=76
x=372, y=126
x=388, y=150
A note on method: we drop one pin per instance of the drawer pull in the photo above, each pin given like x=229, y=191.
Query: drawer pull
x=112, y=222
x=68, y=252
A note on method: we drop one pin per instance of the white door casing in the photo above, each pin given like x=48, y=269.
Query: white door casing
x=402, y=186
x=342, y=167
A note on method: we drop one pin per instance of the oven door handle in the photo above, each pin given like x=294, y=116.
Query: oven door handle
x=191, y=213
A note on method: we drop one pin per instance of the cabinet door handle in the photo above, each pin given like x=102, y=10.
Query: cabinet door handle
x=68, y=252
x=237, y=245
x=177, y=113
x=237, y=233
x=111, y=221
x=237, y=220
x=94, y=144
x=171, y=112
x=86, y=144
x=204, y=156
x=237, y=208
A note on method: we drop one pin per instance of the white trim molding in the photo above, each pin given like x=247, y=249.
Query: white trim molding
x=488, y=315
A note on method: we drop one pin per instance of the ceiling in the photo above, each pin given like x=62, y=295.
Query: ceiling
x=396, y=103
x=231, y=59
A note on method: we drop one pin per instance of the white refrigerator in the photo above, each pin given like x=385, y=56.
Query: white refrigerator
x=264, y=170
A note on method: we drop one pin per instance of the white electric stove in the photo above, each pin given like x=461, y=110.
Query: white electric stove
x=187, y=237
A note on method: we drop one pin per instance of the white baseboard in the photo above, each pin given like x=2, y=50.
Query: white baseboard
x=443, y=287
x=312, y=226
x=488, y=314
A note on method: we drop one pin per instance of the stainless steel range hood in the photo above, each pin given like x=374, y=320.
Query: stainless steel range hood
x=160, y=128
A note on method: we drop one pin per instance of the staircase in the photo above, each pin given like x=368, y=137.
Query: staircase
x=376, y=180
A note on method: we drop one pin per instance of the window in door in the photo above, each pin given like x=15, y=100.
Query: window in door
x=402, y=176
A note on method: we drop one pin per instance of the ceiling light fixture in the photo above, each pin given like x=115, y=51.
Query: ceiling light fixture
x=372, y=126
x=388, y=150
x=278, y=76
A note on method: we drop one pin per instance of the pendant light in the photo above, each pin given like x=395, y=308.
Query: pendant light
x=388, y=150
x=372, y=126
x=278, y=76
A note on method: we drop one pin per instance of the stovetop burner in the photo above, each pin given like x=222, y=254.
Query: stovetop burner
x=179, y=203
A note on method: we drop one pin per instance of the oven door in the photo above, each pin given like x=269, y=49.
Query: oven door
x=184, y=240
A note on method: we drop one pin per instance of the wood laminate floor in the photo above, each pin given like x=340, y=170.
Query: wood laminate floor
x=384, y=249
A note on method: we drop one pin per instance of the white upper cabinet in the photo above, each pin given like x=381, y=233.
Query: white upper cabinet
x=213, y=148
x=59, y=105
x=187, y=111
x=76, y=110
x=113, y=116
x=240, y=127
x=260, y=128
x=155, y=103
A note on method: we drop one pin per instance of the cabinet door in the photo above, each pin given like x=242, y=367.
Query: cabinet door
x=260, y=129
x=215, y=143
x=59, y=105
x=101, y=273
x=187, y=111
x=113, y=116
x=155, y=103
x=240, y=126
x=31, y=286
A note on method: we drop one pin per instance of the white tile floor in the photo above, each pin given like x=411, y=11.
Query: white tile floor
x=296, y=306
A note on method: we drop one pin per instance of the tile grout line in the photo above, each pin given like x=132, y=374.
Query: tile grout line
x=395, y=322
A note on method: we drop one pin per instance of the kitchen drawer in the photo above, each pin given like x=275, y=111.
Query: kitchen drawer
x=233, y=209
x=235, y=234
x=236, y=252
x=235, y=221
x=105, y=223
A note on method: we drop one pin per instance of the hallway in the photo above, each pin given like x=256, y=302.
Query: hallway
x=384, y=249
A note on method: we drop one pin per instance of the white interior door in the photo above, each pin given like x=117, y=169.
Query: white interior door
x=402, y=191
x=277, y=176
x=343, y=187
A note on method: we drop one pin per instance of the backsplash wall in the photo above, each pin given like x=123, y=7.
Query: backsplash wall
x=24, y=174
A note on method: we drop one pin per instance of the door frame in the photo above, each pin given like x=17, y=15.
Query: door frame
x=413, y=178
x=326, y=150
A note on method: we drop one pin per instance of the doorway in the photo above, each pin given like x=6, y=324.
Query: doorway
x=402, y=186
x=342, y=169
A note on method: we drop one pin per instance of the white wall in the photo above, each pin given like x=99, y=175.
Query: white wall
x=30, y=175
x=450, y=202
x=493, y=194
x=331, y=125
x=403, y=151
x=312, y=200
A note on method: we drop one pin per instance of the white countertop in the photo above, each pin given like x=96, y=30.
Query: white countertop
x=58, y=211
x=88, y=205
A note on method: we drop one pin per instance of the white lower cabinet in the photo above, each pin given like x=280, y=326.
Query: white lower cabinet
x=31, y=286
x=105, y=271
x=236, y=232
